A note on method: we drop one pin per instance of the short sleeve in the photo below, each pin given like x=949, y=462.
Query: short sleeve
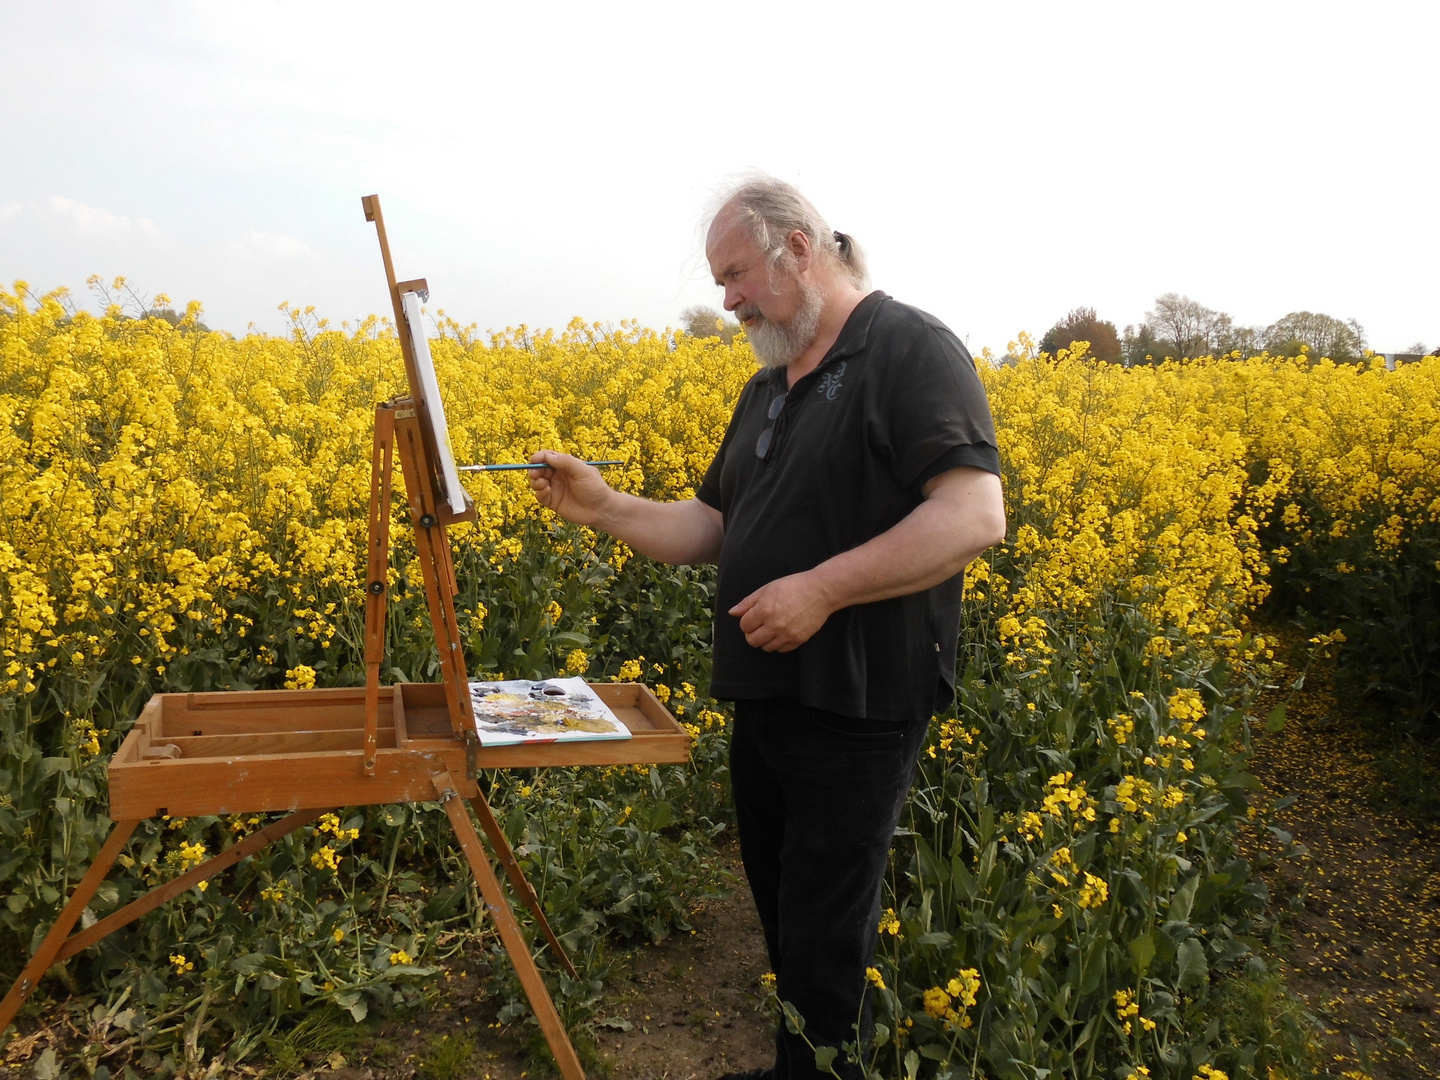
x=934, y=414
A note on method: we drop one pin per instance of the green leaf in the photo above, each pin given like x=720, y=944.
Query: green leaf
x=824, y=1058
x=50, y=766
x=1193, y=968
x=47, y=1068
x=1276, y=720
x=1183, y=899
x=912, y=1064
x=1142, y=951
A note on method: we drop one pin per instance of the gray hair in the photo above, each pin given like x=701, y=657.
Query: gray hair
x=771, y=210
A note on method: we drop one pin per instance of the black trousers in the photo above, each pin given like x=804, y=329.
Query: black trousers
x=817, y=799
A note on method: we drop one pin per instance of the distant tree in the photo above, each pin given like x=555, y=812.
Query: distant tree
x=175, y=318
x=1322, y=334
x=1246, y=340
x=1083, y=324
x=1138, y=346
x=1183, y=327
x=122, y=300
x=702, y=322
x=1419, y=349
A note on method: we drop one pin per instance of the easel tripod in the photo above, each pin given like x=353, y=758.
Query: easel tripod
x=310, y=751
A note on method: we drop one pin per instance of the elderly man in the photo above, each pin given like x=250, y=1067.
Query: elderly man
x=857, y=479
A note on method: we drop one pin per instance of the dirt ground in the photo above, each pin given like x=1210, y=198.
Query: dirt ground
x=686, y=1009
x=1362, y=904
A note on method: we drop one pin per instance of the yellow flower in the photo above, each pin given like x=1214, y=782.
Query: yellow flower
x=300, y=677
x=874, y=977
x=577, y=662
x=965, y=986
x=1185, y=704
x=890, y=923
x=182, y=965
x=1094, y=892
x=937, y=1002
x=400, y=956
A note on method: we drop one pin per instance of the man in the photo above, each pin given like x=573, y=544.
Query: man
x=858, y=477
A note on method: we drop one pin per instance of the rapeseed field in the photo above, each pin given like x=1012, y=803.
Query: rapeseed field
x=185, y=510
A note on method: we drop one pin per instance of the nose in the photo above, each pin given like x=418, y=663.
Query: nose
x=733, y=298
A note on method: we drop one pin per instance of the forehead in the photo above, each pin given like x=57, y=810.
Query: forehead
x=728, y=244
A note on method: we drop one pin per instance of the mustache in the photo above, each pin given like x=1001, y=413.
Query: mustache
x=748, y=311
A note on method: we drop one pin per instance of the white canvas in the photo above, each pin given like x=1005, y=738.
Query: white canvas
x=429, y=391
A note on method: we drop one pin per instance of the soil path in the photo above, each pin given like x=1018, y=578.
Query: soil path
x=686, y=1009
x=1361, y=905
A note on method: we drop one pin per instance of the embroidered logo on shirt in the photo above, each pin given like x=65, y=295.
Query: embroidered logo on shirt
x=830, y=382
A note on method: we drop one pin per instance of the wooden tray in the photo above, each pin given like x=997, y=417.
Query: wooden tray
x=269, y=750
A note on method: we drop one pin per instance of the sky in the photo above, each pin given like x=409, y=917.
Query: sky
x=1000, y=163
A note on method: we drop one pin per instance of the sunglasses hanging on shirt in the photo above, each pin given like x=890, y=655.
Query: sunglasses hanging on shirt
x=766, y=441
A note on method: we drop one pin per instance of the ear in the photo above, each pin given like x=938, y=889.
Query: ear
x=800, y=247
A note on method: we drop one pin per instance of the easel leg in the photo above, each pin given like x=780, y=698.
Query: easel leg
x=500, y=844
x=188, y=880
x=510, y=935
x=46, y=954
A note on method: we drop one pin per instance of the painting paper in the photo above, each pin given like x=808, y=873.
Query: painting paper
x=547, y=710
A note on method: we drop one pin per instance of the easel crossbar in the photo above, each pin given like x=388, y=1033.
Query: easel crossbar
x=188, y=880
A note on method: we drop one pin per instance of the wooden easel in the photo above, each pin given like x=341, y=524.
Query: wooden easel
x=310, y=751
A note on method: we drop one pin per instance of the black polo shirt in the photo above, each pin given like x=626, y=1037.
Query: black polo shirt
x=895, y=402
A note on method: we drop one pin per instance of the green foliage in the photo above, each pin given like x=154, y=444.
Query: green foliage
x=616, y=852
x=447, y=1057
x=1035, y=861
x=1384, y=602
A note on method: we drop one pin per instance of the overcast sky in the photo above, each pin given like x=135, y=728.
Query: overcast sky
x=1001, y=163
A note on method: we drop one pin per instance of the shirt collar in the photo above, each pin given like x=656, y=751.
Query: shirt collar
x=853, y=337
x=856, y=331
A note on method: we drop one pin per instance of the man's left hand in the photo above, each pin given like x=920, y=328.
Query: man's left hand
x=784, y=614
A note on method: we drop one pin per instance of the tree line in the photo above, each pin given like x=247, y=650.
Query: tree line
x=1178, y=326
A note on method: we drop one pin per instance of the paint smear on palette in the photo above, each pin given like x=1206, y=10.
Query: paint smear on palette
x=547, y=710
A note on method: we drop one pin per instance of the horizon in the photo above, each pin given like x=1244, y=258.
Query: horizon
x=1001, y=168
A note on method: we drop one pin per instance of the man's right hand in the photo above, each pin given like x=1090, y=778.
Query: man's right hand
x=571, y=488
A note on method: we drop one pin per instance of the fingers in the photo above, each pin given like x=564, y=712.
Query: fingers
x=568, y=486
x=758, y=623
x=546, y=493
x=781, y=615
x=745, y=605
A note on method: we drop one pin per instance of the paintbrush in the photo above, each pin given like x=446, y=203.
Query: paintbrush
x=526, y=465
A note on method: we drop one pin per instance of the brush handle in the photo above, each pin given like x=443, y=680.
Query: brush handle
x=525, y=465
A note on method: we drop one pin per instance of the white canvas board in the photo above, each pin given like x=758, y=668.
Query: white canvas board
x=429, y=391
x=541, y=711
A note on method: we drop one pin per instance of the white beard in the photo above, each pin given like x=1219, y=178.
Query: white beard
x=778, y=344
